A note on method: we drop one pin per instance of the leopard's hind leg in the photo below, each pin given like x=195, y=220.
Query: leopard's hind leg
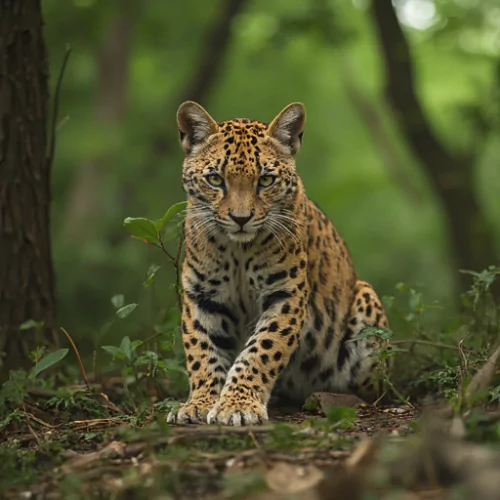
x=366, y=364
x=352, y=364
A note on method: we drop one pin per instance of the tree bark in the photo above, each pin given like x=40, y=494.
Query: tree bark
x=450, y=174
x=27, y=285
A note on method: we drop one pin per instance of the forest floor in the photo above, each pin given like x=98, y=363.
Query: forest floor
x=335, y=449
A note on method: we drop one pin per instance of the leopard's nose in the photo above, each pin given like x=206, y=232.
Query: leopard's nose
x=241, y=220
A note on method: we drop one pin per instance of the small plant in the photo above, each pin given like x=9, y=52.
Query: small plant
x=481, y=283
x=158, y=233
x=340, y=417
x=13, y=392
x=74, y=403
x=484, y=314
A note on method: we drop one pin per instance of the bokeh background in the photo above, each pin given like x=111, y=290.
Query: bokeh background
x=133, y=62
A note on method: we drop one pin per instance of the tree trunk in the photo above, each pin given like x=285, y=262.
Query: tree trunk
x=27, y=288
x=451, y=175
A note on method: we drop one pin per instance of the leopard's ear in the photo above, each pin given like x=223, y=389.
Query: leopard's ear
x=195, y=125
x=288, y=127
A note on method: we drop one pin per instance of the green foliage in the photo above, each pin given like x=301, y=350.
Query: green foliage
x=75, y=404
x=142, y=229
x=481, y=283
x=13, y=391
x=443, y=381
x=47, y=361
x=340, y=417
x=16, y=465
x=29, y=324
x=151, y=231
x=151, y=275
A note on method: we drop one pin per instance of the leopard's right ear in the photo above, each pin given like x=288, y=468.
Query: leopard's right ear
x=195, y=125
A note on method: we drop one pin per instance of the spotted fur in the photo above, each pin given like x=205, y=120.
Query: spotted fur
x=271, y=300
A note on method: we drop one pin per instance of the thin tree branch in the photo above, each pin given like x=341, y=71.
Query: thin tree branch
x=55, y=111
x=429, y=343
x=379, y=134
x=214, y=49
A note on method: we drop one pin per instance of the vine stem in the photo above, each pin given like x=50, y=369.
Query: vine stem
x=176, y=262
x=439, y=345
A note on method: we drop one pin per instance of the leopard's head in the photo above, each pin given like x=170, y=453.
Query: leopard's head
x=240, y=174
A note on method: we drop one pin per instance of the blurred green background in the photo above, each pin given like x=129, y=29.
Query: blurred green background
x=134, y=62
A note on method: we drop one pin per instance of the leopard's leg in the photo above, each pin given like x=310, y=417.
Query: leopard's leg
x=207, y=335
x=332, y=360
x=244, y=398
x=368, y=365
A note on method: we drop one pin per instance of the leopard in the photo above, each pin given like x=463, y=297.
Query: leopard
x=271, y=302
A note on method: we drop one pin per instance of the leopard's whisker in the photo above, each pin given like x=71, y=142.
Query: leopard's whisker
x=287, y=230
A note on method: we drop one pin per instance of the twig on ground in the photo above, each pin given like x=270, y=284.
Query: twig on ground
x=82, y=369
x=32, y=432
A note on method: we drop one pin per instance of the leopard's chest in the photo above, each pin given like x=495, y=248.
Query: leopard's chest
x=245, y=286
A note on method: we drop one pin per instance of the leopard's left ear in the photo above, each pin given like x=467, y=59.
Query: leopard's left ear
x=288, y=127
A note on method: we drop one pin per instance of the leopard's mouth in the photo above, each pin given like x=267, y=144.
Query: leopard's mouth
x=241, y=236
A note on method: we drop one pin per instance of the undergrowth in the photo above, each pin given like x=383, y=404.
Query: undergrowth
x=45, y=411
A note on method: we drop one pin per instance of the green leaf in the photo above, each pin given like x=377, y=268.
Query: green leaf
x=125, y=347
x=48, y=361
x=151, y=275
x=340, y=416
x=142, y=229
x=116, y=352
x=170, y=214
x=173, y=366
x=118, y=300
x=125, y=311
x=135, y=344
x=29, y=324
x=402, y=287
x=415, y=301
x=372, y=331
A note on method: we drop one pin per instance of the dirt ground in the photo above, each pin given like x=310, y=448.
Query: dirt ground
x=113, y=458
x=337, y=449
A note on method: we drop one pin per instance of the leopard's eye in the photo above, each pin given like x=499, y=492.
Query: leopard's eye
x=267, y=181
x=215, y=180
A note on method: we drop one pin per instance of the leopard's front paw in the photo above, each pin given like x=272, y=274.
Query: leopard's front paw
x=237, y=412
x=191, y=412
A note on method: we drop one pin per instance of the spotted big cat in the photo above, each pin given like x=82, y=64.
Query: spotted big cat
x=271, y=300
